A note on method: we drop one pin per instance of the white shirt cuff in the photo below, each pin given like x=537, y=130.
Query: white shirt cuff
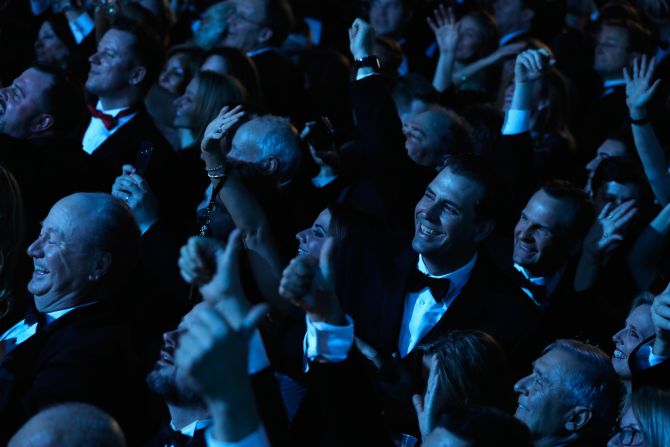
x=255, y=439
x=328, y=343
x=516, y=122
x=81, y=27
x=360, y=75
x=258, y=358
x=320, y=182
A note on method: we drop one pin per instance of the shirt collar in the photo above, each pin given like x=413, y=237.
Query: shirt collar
x=112, y=112
x=549, y=282
x=191, y=428
x=56, y=314
x=258, y=51
x=458, y=277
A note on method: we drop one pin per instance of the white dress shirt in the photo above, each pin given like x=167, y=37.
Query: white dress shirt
x=516, y=122
x=422, y=312
x=22, y=331
x=255, y=439
x=97, y=133
x=190, y=429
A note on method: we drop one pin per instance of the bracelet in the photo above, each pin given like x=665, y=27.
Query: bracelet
x=217, y=176
x=222, y=165
x=641, y=122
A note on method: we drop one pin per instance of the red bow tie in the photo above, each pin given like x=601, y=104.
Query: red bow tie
x=109, y=121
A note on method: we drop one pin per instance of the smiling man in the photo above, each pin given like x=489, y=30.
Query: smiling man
x=74, y=346
x=571, y=398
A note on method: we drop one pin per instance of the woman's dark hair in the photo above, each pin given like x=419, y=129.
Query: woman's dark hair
x=347, y=219
x=241, y=67
x=490, y=31
x=11, y=243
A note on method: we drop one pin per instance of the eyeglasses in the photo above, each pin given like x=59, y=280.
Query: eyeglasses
x=630, y=435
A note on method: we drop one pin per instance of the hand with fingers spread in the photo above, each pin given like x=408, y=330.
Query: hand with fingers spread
x=220, y=129
x=309, y=283
x=214, y=356
x=660, y=316
x=531, y=65
x=361, y=39
x=135, y=191
x=444, y=26
x=640, y=87
x=609, y=229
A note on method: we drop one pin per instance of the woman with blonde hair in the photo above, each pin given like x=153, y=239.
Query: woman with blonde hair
x=646, y=421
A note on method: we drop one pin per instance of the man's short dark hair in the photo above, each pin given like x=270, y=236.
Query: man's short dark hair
x=584, y=213
x=481, y=171
x=64, y=100
x=279, y=18
x=147, y=49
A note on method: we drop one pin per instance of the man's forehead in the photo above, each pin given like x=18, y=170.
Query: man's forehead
x=116, y=39
x=33, y=79
x=614, y=32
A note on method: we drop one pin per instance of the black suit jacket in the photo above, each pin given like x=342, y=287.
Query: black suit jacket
x=374, y=285
x=281, y=83
x=123, y=146
x=85, y=356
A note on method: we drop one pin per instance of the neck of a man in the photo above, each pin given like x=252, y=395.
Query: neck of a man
x=120, y=101
x=183, y=415
x=438, y=267
x=67, y=301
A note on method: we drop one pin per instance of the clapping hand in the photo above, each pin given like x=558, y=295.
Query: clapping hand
x=608, y=230
x=361, y=39
x=531, y=65
x=660, y=316
x=428, y=407
x=639, y=86
x=445, y=27
x=135, y=191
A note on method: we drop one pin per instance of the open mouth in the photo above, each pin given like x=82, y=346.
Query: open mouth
x=429, y=232
x=40, y=271
x=302, y=251
x=165, y=358
x=619, y=355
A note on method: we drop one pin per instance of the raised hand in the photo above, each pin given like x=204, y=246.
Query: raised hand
x=531, y=65
x=310, y=284
x=445, y=27
x=215, y=269
x=639, y=86
x=135, y=191
x=220, y=128
x=660, y=316
x=361, y=39
x=429, y=405
x=608, y=230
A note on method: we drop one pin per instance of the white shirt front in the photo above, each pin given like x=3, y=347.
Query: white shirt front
x=550, y=283
x=422, y=312
x=97, y=133
x=22, y=331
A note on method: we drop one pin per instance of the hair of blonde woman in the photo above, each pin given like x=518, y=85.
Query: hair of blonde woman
x=651, y=407
x=215, y=91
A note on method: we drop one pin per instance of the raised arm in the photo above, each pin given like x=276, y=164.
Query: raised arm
x=445, y=27
x=639, y=91
x=487, y=61
x=646, y=254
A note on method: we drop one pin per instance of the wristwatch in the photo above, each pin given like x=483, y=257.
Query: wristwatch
x=368, y=61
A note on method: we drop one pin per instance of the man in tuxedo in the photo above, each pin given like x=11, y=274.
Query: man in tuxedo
x=399, y=299
x=571, y=398
x=41, y=121
x=74, y=345
x=120, y=131
x=258, y=27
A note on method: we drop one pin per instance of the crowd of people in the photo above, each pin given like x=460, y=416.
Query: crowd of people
x=255, y=223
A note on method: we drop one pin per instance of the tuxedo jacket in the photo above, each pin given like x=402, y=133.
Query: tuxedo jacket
x=373, y=286
x=123, y=146
x=84, y=356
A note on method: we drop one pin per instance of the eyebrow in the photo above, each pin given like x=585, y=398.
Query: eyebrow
x=320, y=228
x=18, y=87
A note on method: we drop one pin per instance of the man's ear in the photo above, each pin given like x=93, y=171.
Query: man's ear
x=265, y=35
x=102, y=266
x=484, y=229
x=577, y=418
x=41, y=123
x=270, y=165
x=138, y=74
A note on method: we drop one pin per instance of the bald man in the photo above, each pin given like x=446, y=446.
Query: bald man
x=71, y=424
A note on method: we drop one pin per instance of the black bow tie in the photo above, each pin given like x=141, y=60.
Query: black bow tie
x=34, y=316
x=439, y=287
x=538, y=291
